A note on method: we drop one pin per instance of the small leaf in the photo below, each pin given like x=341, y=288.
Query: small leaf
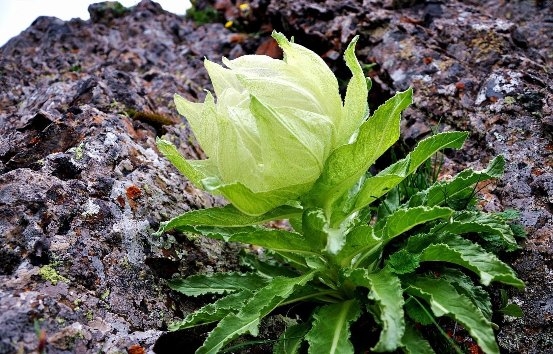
x=489, y=226
x=265, y=300
x=227, y=216
x=377, y=186
x=445, y=300
x=465, y=285
x=416, y=312
x=314, y=225
x=403, y=220
x=360, y=244
x=457, y=250
x=349, y=162
x=414, y=343
x=276, y=240
x=459, y=187
x=385, y=290
x=403, y=262
x=265, y=265
x=512, y=310
x=213, y=312
x=291, y=340
x=184, y=166
x=217, y=283
x=330, y=331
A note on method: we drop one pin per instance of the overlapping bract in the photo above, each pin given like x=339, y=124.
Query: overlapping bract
x=273, y=125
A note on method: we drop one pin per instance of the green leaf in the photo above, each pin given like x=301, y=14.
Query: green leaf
x=276, y=240
x=227, y=216
x=445, y=300
x=404, y=220
x=414, y=343
x=385, y=290
x=459, y=187
x=377, y=186
x=314, y=225
x=418, y=312
x=465, y=285
x=214, y=232
x=360, y=244
x=355, y=108
x=349, y=162
x=256, y=203
x=403, y=262
x=184, y=166
x=330, y=331
x=457, y=250
x=512, y=310
x=265, y=300
x=291, y=339
x=264, y=265
x=214, y=311
x=489, y=226
x=217, y=283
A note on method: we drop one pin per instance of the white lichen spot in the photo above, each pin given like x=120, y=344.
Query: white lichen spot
x=111, y=139
x=91, y=208
x=398, y=75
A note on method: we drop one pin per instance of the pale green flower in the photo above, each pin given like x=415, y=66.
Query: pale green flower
x=273, y=126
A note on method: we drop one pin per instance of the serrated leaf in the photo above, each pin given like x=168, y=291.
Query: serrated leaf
x=349, y=162
x=276, y=240
x=214, y=311
x=214, y=232
x=403, y=262
x=445, y=300
x=459, y=187
x=360, y=244
x=385, y=289
x=227, y=216
x=265, y=300
x=414, y=343
x=314, y=225
x=487, y=225
x=377, y=186
x=457, y=250
x=403, y=220
x=330, y=330
x=512, y=310
x=418, y=313
x=217, y=283
x=291, y=339
x=466, y=286
x=267, y=266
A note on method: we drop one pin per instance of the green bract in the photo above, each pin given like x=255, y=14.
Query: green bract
x=397, y=249
x=273, y=126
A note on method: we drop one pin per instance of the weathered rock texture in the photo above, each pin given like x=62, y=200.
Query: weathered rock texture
x=82, y=185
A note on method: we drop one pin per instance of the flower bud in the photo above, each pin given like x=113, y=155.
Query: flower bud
x=274, y=124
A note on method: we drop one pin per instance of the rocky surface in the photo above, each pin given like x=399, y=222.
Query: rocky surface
x=82, y=186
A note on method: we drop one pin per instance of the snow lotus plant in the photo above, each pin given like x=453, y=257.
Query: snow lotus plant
x=281, y=144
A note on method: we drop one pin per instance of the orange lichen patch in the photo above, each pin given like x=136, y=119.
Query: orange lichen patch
x=536, y=171
x=133, y=192
x=120, y=201
x=136, y=349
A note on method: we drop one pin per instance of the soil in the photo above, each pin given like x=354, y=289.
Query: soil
x=83, y=187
